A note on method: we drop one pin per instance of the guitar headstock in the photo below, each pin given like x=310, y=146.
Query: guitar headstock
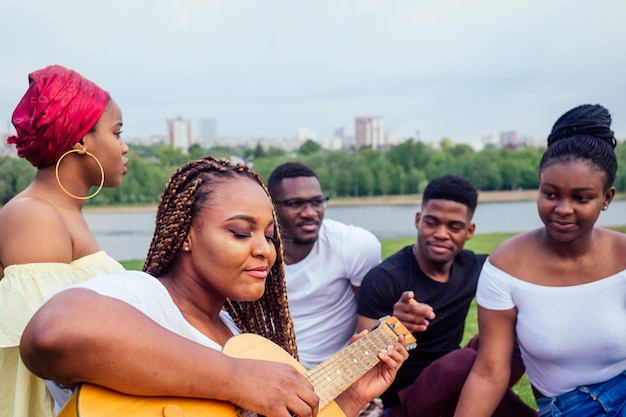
x=399, y=329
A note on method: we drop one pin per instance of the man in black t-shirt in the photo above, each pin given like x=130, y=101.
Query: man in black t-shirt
x=429, y=286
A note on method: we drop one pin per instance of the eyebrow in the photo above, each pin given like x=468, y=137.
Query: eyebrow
x=433, y=217
x=574, y=189
x=303, y=198
x=247, y=218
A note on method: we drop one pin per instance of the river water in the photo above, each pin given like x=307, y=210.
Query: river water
x=127, y=235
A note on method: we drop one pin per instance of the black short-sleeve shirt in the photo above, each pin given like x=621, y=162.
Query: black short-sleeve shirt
x=384, y=284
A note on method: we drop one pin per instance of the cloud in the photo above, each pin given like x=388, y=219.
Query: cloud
x=447, y=68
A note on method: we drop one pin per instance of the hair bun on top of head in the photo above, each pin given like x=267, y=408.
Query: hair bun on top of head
x=587, y=120
x=58, y=109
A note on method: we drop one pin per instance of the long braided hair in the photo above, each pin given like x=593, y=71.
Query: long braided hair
x=189, y=191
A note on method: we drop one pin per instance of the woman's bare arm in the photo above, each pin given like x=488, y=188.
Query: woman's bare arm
x=81, y=336
x=489, y=377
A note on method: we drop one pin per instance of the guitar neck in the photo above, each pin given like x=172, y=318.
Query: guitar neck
x=333, y=376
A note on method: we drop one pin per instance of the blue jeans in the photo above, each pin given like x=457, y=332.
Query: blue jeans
x=603, y=399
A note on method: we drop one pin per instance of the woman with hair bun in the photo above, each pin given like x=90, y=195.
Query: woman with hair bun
x=559, y=290
x=69, y=129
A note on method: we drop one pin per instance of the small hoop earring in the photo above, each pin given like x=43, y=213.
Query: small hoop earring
x=56, y=171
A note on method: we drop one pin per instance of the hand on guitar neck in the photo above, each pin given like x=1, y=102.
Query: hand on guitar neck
x=344, y=383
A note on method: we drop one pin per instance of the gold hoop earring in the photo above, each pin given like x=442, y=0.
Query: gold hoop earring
x=56, y=171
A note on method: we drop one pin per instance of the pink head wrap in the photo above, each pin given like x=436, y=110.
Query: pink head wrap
x=58, y=109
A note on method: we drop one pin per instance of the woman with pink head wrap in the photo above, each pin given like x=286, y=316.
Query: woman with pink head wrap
x=59, y=108
x=69, y=129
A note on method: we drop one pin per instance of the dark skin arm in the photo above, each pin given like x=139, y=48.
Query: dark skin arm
x=62, y=343
x=490, y=374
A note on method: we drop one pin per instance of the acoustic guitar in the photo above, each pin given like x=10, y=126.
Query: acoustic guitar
x=330, y=378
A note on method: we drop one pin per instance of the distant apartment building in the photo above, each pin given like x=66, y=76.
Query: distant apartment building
x=5, y=148
x=179, y=132
x=288, y=144
x=207, y=128
x=338, y=141
x=509, y=139
x=304, y=134
x=369, y=132
x=332, y=144
x=391, y=139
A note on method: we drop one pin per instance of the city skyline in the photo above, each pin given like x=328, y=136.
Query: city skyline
x=448, y=69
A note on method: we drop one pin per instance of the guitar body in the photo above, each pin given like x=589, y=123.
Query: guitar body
x=329, y=379
x=95, y=401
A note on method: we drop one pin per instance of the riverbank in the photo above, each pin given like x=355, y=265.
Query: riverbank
x=409, y=199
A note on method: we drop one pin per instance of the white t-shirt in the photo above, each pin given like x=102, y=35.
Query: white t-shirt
x=148, y=295
x=322, y=302
x=569, y=336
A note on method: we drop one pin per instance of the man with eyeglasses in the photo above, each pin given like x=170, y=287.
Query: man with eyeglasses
x=325, y=261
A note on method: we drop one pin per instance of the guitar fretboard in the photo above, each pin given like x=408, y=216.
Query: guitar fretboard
x=331, y=377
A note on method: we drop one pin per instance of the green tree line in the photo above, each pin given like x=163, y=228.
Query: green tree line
x=403, y=169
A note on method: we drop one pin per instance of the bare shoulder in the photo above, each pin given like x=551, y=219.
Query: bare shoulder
x=33, y=230
x=617, y=239
x=614, y=243
x=515, y=251
x=22, y=211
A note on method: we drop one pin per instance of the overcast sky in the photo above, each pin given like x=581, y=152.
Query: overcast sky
x=264, y=68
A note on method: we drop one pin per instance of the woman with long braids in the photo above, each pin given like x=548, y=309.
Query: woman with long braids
x=69, y=129
x=214, y=269
x=188, y=192
x=559, y=290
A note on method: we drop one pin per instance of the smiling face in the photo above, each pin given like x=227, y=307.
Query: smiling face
x=231, y=241
x=300, y=225
x=443, y=227
x=106, y=144
x=571, y=196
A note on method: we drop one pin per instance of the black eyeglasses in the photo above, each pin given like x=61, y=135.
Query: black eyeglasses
x=317, y=203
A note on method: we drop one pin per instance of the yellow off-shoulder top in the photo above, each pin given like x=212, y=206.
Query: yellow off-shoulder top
x=22, y=290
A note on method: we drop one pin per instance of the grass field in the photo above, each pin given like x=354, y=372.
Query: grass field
x=480, y=243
